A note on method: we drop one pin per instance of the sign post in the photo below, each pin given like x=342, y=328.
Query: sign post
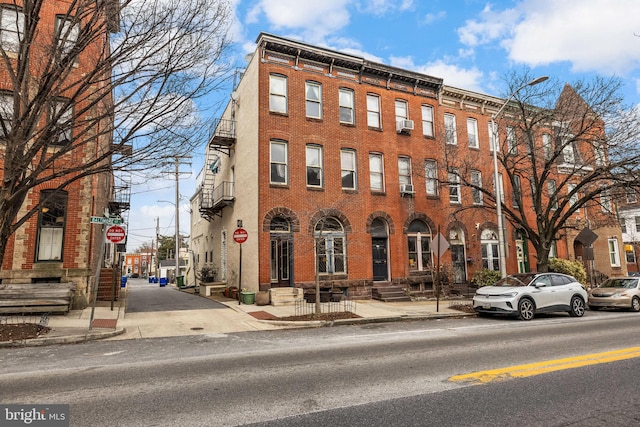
x=240, y=236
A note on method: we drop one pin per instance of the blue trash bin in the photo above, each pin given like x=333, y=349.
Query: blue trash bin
x=164, y=281
x=155, y=280
x=123, y=282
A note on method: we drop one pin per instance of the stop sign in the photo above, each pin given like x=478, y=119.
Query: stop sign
x=115, y=234
x=240, y=235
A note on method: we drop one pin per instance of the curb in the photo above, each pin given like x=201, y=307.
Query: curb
x=70, y=339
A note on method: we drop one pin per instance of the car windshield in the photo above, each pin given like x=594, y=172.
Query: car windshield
x=619, y=283
x=515, y=280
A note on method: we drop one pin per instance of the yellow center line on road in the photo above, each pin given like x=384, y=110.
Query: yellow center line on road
x=531, y=369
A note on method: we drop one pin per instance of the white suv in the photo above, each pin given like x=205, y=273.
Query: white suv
x=525, y=294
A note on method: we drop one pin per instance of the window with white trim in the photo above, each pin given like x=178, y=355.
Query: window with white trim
x=11, y=26
x=547, y=146
x=553, y=196
x=346, y=99
x=489, y=249
x=402, y=110
x=51, y=225
x=431, y=177
x=313, y=99
x=573, y=198
x=512, y=144
x=472, y=132
x=373, y=111
x=376, y=172
x=279, y=162
x=67, y=31
x=517, y=192
x=614, y=254
x=605, y=201
x=419, y=244
x=404, y=171
x=348, y=169
x=314, y=166
x=61, y=117
x=427, y=120
x=454, y=186
x=451, y=136
x=278, y=93
x=331, y=247
x=476, y=182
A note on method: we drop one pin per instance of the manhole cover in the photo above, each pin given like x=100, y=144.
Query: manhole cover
x=197, y=328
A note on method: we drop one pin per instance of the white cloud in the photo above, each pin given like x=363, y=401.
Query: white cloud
x=315, y=19
x=453, y=75
x=430, y=18
x=591, y=35
x=383, y=7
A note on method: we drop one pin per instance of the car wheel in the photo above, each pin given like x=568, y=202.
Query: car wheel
x=526, y=309
x=594, y=307
x=577, y=307
x=635, y=304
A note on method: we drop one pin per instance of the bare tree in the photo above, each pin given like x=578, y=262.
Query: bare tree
x=113, y=85
x=568, y=151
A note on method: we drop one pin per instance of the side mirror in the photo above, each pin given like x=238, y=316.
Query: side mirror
x=539, y=285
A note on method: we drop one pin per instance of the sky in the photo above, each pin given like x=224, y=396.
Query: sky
x=471, y=44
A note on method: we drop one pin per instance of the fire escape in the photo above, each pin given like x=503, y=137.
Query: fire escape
x=214, y=198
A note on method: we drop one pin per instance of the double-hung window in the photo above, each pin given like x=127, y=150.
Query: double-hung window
x=573, y=198
x=476, y=189
x=402, y=110
x=376, y=172
x=346, y=99
x=451, y=136
x=427, y=120
x=313, y=97
x=349, y=171
x=278, y=93
x=454, y=186
x=553, y=196
x=6, y=113
x=67, y=32
x=614, y=254
x=331, y=247
x=11, y=26
x=314, y=166
x=517, y=192
x=404, y=173
x=512, y=144
x=472, y=132
x=51, y=221
x=605, y=201
x=373, y=111
x=547, y=146
x=279, y=162
x=431, y=176
x=62, y=120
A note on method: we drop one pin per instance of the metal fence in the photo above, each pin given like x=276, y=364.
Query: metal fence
x=303, y=307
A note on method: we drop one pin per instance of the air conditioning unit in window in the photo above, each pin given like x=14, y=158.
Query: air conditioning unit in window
x=404, y=125
x=406, y=189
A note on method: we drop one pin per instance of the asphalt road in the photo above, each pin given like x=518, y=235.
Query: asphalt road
x=369, y=375
x=144, y=297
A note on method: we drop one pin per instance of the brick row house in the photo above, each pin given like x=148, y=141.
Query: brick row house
x=59, y=243
x=335, y=163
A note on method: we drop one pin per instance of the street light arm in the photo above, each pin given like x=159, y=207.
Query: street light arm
x=531, y=83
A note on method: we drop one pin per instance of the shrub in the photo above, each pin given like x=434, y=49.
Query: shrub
x=485, y=277
x=572, y=268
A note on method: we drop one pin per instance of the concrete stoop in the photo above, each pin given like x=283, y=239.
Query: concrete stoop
x=285, y=296
x=389, y=293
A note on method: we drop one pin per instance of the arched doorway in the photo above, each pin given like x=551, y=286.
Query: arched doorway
x=379, y=250
x=281, y=261
x=522, y=252
x=458, y=258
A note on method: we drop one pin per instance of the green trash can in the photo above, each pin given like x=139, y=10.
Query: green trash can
x=248, y=297
x=180, y=281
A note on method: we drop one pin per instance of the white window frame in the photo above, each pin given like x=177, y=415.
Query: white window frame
x=512, y=143
x=490, y=252
x=67, y=32
x=427, y=120
x=313, y=99
x=431, y=177
x=451, y=135
x=328, y=244
x=402, y=110
x=281, y=164
x=404, y=171
x=11, y=25
x=476, y=192
x=455, y=198
x=278, y=93
x=547, y=146
x=64, y=121
x=375, y=160
x=51, y=231
x=614, y=252
x=374, y=118
x=472, y=132
x=347, y=102
x=421, y=258
x=574, y=198
x=605, y=202
x=314, y=163
x=348, y=167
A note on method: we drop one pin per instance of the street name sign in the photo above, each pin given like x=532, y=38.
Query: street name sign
x=104, y=220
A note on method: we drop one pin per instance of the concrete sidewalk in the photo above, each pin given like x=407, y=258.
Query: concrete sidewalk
x=116, y=324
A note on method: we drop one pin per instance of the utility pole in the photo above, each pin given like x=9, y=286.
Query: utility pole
x=178, y=161
x=158, y=247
